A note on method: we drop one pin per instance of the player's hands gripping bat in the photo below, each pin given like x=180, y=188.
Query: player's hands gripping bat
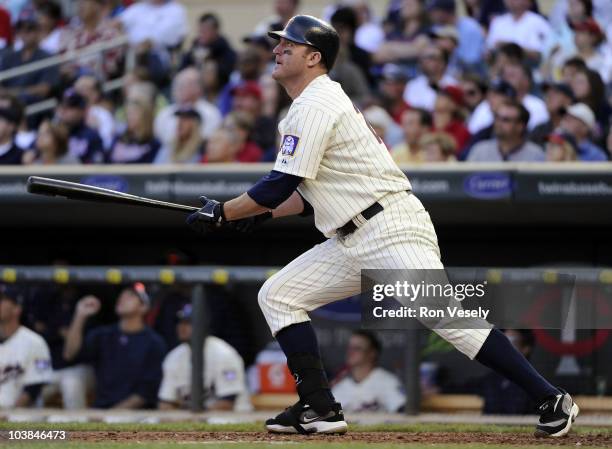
x=208, y=218
x=249, y=224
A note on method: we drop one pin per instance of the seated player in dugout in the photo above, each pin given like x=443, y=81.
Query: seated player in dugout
x=25, y=361
x=126, y=356
x=224, y=380
x=331, y=162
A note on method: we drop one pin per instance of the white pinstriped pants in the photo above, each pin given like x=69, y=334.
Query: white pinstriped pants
x=402, y=236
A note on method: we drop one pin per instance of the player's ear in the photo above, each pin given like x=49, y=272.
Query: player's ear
x=314, y=58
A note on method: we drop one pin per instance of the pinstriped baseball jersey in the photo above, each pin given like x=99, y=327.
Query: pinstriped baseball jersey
x=346, y=167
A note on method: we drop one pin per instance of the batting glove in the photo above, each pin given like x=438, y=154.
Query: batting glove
x=208, y=218
x=249, y=224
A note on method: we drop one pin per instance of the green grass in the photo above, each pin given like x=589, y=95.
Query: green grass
x=262, y=445
x=258, y=427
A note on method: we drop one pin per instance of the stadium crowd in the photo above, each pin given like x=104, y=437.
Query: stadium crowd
x=486, y=80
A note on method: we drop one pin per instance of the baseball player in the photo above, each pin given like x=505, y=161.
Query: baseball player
x=331, y=162
x=25, y=361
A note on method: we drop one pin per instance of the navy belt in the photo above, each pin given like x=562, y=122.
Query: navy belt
x=367, y=214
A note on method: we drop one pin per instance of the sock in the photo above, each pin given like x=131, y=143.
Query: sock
x=501, y=356
x=300, y=345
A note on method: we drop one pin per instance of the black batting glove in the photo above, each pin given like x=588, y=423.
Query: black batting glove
x=208, y=218
x=249, y=224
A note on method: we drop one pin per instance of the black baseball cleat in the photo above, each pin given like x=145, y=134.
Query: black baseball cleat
x=557, y=415
x=301, y=418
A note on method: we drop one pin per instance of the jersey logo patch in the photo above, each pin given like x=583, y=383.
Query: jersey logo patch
x=289, y=145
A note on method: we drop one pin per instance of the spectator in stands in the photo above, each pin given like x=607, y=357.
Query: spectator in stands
x=210, y=45
x=579, y=122
x=589, y=89
x=438, y=147
x=561, y=147
x=510, y=141
x=91, y=28
x=10, y=153
x=49, y=15
x=6, y=30
x=446, y=38
x=408, y=38
x=519, y=77
x=449, y=115
x=84, y=142
x=415, y=123
x=501, y=396
x=98, y=117
x=369, y=35
x=138, y=84
x=261, y=45
x=474, y=90
x=578, y=11
x=186, y=92
x=223, y=377
x=25, y=362
x=570, y=68
x=284, y=10
x=251, y=67
x=161, y=22
x=481, y=119
x=471, y=41
x=51, y=146
x=126, y=357
x=504, y=55
x=344, y=20
x=363, y=385
x=421, y=91
x=523, y=27
x=347, y=73
x=391, y=90
x=188, y=145
x=137, y=144
x=558, y=98
x=232, y=143
x=383, y=125
x=248, y=98
x=33, y=86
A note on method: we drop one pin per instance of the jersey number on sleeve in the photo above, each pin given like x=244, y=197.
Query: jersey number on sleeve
x=369, y=125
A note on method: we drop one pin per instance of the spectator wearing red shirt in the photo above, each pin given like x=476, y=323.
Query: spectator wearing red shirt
x=448, y=115
x=6, y=31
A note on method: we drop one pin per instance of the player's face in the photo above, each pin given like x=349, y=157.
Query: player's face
x=8, y=311
x=291, y=60
x=358, y=352
x=183, y=330
x=129, y=304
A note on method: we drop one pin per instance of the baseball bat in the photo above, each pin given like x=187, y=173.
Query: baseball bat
x=76, y=191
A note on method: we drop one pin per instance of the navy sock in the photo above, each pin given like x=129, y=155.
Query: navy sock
x=501, y=356
x=299, y=338
x=299, y=342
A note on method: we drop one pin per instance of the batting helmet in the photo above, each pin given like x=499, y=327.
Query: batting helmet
x=311, y=31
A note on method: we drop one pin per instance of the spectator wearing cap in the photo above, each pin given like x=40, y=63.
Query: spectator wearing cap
x=248, y=98
x=51, y=146
x=363, y=385
x=523, y=27
x=415, y=123
x=25, y=362
x=390, y=91
x=510, y=142
x=579, y=122
x=91, y=28
x=223, y=377
x=10, y=153
x=126, y=357
x=558, y=97
x=84, y=142
x=210, y=44
x=232, y=143
x=187, y=147
x=98, y=117
x=561, y=147
x=33, y=86
x=470, y=36
x=438, y=147
x=186, y=93
x=449, y=115
x=137, y=144
x=161, y=22
x=344, y=20
x=421, y=91
x=49, y=16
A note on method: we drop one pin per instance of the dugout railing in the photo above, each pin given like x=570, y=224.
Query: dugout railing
x=200, y=276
